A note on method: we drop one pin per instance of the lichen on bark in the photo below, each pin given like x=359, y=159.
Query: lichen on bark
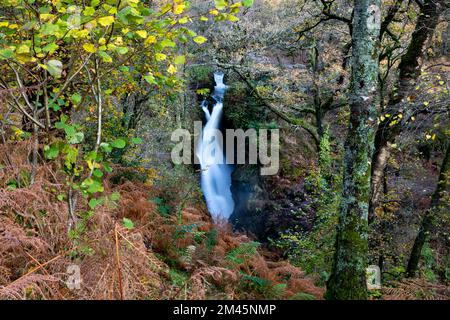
x=348, y=277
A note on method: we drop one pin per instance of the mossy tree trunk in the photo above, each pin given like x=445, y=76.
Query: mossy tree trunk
x=428, y=219
x=409, y=72
x=348, y=276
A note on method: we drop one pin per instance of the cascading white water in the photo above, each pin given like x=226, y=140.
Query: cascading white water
x=216, y=173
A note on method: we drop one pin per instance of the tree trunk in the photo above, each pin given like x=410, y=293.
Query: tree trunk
x=409, y=71
x=427, y=221
x=348, y=276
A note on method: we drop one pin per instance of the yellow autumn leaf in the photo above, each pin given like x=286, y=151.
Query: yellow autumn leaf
x=118, y=41
x=172, y=69
x=160, y=57
x=232, y=18
x=89, y=47
x=4, y=24
x=150, y=40
x=106, y=21
x=25, y=58
x=88, y=11
x=91, y=25
x=179, y=8
x=18, y=132
x=23, y=49
x=46, y=16
x=142, y=33
x=80, y=34
x=200, y=39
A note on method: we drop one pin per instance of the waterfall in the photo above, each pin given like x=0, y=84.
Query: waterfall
x=215, y=172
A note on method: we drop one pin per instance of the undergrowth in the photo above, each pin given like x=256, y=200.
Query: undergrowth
x=146, y=242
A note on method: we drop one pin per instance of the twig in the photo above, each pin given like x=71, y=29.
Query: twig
x=119, y=272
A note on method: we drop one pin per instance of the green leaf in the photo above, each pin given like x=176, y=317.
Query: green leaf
x=105, y=57
x=49, y=29
x=50, y=48
x=118, y=143
x=167, y=43
x=127, y=223
x=54, y=107
x=124, y=69
x=92, y=156
x=6, y=54
x=76, y=138
x=221, y=4
x=97, y=173
x=121, y=50
x=76, y=98
x=106, y=147
x=92, y=186
x=52, y=151
x=150, y=79
x=247, y=3
x=71, y=156
x=69, y=130
x=136, y=140
x=95, y=202
x=107, y=167
x=130, y=15
x=180, y=60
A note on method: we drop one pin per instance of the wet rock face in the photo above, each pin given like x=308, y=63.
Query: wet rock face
x=249, y=201
x=267, y=207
